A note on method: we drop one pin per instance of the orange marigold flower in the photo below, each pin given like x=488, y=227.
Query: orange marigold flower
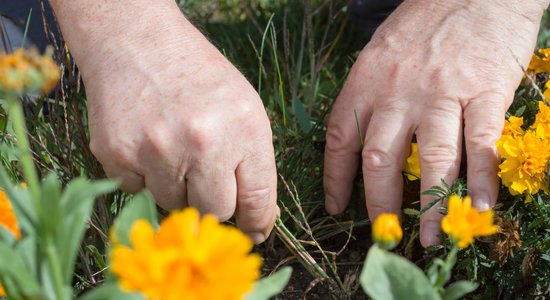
x=188, y=258
x=7, y=216
x=386, y=231
x=412, y=164
x=512, y=126
x=525, y=161
x=463, y=222
x=8, y=220
x=27, y=71
x=542, y=121
x=540, y=62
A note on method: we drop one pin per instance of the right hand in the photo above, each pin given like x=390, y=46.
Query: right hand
x=169, y=113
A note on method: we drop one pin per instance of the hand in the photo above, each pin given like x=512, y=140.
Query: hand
x=439, y=70
x=168, y=112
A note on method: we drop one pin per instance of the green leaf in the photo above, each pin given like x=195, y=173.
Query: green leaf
x=77, y=201
x=388, y=276
x=13, y=267
x=459, y=289
x=301, y=115
x=7, y=236
x=22, y=203
x=520, y=111
x=110, y=291
x=52, y=212
x=26, y=248
x=3, y=120
x=270, y=286
x=411, y=212
x=142, y=206
x=98, y=257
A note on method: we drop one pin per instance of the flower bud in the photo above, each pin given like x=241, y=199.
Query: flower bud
x=386, y=231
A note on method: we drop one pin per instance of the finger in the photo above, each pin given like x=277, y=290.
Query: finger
x=169, y=190
x=212, y=189
x=257, y=195
x=484, y=120
x=439, y=145
x=347, y=122
x=131, y=182
x=388, y=136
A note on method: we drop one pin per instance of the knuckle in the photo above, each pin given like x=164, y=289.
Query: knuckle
x=375, y=160
x=201, y=136
x=485, y=138
x=440, y=156
x=334, y=140
x=256, y=200
x=375, y=208
x=337, y=139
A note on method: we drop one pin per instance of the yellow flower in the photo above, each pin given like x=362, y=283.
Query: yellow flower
x=542, y=121
x=540, y=62
x=386, y=231
x=525, y=160
x=463, y=222
x=9, y=222
x=24, y=72
x=512, y=126
x=412, y=165
x=7, y=216
x=188, y=258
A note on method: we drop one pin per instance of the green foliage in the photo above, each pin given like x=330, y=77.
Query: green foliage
x=141, y=207
x=390, y=276
x=42, y=262
x=270, y=286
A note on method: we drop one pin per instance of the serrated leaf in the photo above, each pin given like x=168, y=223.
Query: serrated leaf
x=270, y=286
x=459, y=289
x=387, y=276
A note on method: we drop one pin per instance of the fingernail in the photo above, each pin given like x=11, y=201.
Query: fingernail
x=481, y=203
x=257, y=237
x=428, y=234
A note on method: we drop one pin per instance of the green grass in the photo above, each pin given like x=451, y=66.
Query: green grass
x=297, y=55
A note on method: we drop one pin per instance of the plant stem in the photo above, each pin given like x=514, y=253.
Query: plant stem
x=445, y=271
x=23, y=147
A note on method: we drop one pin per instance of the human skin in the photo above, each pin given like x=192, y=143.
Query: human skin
x=168, y=112
x=445, y=71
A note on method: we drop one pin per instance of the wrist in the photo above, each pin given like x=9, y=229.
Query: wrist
x=101, y=32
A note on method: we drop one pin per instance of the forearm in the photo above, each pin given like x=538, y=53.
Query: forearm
x=108, y=29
